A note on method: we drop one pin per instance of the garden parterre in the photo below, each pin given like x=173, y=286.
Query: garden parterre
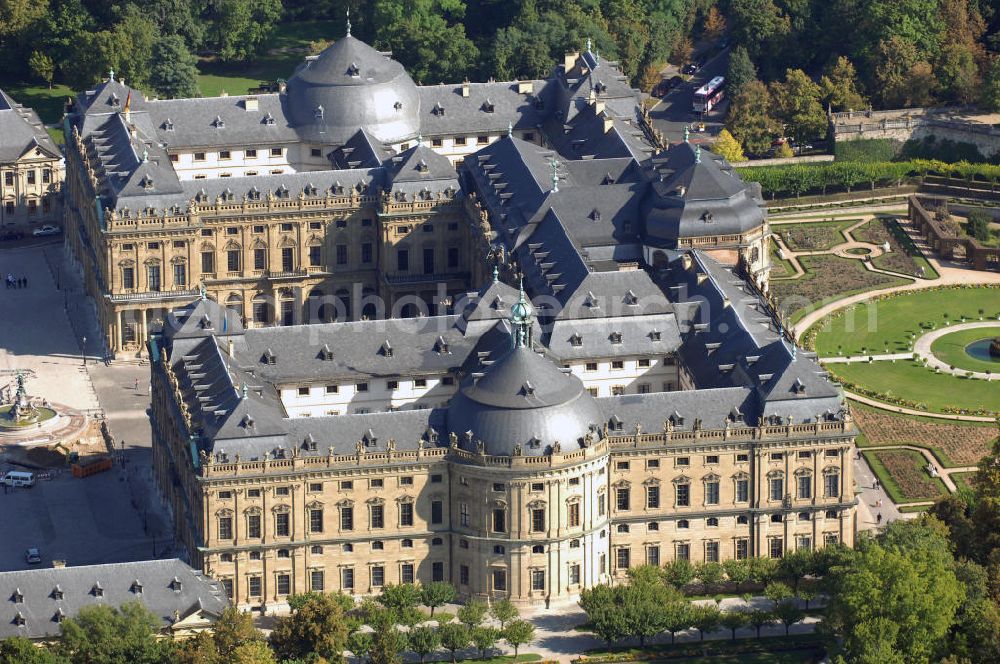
x=952, y=444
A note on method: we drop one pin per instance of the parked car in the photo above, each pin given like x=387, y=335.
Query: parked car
x=11, y=235
x=33, y=556
x=689, y=68
x=46, y=230
x=666, y=85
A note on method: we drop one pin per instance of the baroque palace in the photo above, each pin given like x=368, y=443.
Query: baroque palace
x=350, y=398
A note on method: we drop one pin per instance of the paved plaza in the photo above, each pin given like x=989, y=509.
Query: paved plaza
x=108, y=517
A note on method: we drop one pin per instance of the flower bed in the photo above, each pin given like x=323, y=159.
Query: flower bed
x=952, y=444
x=827, y=277
x=904, y=475
x=813, y=236
x=881, y=230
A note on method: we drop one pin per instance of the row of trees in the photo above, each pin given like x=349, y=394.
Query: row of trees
x=908, y=52
x=319, y=628
x=77, y=41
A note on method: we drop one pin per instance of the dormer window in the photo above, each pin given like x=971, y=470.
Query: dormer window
x=630, y=298
x=19, y=619
x=97, y=590
x=318, y=113
x=268, y=119
x=228, y=195
x=708, y=217
x=309, y=443
x=253, y=194
x=438, y=110
x=534, y=443
x=422, y=166
x=595, y=215
x=281, y=191
x=488, y=106
x=146, y=182
x=309, y=190
x=591, y=301
x=441, y=346
x=798, y=387
x=326, y=353
x=176, y=585
x=527, y=389
x=136, y=587
x=353, y=70
x=676, y=419
x=386, y=349
x=369, y=439
x=57, y=593
x=615, y=337
x=337, y=189
x=269, y=357
x=398, y=105
x=219, y=123
x=576, y=341
x=114, y=100
x=615, y=423
x=654, y=335
x=59, y=616
x=168, y=125
x=17, y=597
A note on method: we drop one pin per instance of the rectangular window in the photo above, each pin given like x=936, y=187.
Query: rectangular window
x=644, y=362
x=224, y=154
x=347, y=578
x=574, y=574
x=347, y=518
x=682, y=461
x=683, y=551
x=253, y=526
x=742, y=549
x=366, y=252
x=316, y=520
x=777, y=486
x=711, y=493
x=31, y=177
x=8, y=179
x=482, y=140
x=284, y=583
x=500, y=580
x=287, y=259
x=653, y=555
x=623, y=558
x=652, y=497
x=683, y=492
x=573, y=514
x=316, y=256
x=260, y=259
x=742, y=490
x=153, y=277
x=622, y=499
x=437, y=571
x=276, y=152
x=499, y=521
x=437, y=512
x=463, y=575
x=199, y=156
x=712, y=459
x=378, y=576
x=225, y=527
x=601, y=504
x=316, y=581
x=282, y=524
x=829, y=539
x=711, y=552
x=47, y=176
x=453, y=259
x=621, y=465
x=378, y=516
x=804, y=487
x=406, y=514
x=742, y=458
x=831, y=485
x=538, y=579
x=428, y=260
x=406, y=573
x=617, y=364
x=403, y=260
x=652, y=464
x=776, y=547
x=316, y=152
x=538, y=520
x=341, y=254
x=803, y=542
x=233, y=260
x=208, y=262
x=590, y=366
x=460, y=140
x=253, y=585
x=180, y=274
x=128, y=278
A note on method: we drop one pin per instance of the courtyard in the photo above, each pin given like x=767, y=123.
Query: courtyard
x=111, y=516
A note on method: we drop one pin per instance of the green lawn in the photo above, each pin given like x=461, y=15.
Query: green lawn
x=951, y=349
x=813, y=236
x=284, y=51
x=780, y=268
x=913, y=509
x=916, y=384
x=963, y=480
x=875, y=325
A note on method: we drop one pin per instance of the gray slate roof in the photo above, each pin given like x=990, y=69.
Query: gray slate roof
x=488, y=108
x=164, y=587
x=20, y=130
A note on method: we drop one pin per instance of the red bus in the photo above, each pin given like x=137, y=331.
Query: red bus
x=709, y=95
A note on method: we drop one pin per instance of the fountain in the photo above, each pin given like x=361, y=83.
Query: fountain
x=21, y=412
x=995, y=347
x=985, y=350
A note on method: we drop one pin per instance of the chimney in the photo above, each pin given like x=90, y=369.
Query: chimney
x=229, y=349
x=465, y=89
x=282, y=85
x=58, y=563
x=570, y=60
x=525, y=87
x=609, y=123
x=250, y=104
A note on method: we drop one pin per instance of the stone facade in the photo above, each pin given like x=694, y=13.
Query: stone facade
x=31, y=170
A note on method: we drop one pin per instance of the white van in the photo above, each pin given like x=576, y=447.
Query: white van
x=19, y=478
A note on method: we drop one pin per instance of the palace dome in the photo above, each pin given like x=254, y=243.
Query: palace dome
x=351, y=86
x=523, y=400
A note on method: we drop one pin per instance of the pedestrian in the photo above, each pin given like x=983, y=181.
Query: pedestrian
x=25, y=282
x=136, y=384
x=879, y=518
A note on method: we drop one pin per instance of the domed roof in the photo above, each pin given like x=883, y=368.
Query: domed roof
x=351, y=86
x=523, y=400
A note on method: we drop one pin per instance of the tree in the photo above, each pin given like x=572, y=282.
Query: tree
x=958, y=73
x=838, y=87
x=777, y=592
x=485, y=638
x=360, y=643
x=784, y=151
x=749, y=118
x=710, y=573
x=794, y=566
x=678, y=573
x=601, y=605
x=173, y=71
x=715, y=24
x=734, y=620
x=100, y=634
x=19, y=650
x=472, y=614
x=796, y=104
x=317, y=626
x=759, y=618
x=740, y=71
x=233, y=628
x=504, y=611
x=904, y=578
x=42, y=67
x=807, y=595
x=706, y=618
x=518, y=633
x=424, y=640
x=252, y=652
x=387, y=645
x=677, y=616
x=991, y=85
x=427, y=36
x=788, y=613
x=437, y=593
x=454, y=637
x=738, y=571
x=399, y=599
x=238, y=28
x=979, y=225
x=756, y=23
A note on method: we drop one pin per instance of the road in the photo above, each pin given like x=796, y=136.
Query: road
x=673, y=112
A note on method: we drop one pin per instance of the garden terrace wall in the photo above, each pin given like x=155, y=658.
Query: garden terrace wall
x=943, y=241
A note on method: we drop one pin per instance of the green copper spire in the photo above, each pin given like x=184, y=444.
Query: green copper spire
x=348, y=22
x=496, y=274
x=520, y=319
x=555, y=175
x=697, y=154
x=246, y=392
x=510, y=128
x=687, y=133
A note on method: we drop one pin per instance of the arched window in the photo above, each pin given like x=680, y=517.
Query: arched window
x=683, y=524
x=623, y=528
